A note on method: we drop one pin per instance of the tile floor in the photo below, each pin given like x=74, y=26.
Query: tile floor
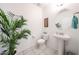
x=38, y=51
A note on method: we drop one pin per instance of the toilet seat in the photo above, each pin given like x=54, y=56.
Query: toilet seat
x=40, y=41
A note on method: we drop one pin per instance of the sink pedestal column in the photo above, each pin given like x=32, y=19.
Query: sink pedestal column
x=60, y=47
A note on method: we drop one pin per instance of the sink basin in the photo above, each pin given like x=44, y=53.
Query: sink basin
x=62, y=36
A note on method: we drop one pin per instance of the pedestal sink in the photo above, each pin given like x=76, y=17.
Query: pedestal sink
x=61, y=40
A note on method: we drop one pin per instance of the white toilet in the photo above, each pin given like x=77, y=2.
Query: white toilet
x=41, y=43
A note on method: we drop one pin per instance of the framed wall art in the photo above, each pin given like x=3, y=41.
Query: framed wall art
x=45, y=22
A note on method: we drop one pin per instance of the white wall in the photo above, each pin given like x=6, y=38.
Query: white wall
x=34, y=16
x=65, y=18
x=47, y=12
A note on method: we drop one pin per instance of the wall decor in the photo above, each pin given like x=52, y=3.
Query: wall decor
x=45, y=22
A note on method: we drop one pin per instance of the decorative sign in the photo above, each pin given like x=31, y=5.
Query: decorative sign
x=45, y=22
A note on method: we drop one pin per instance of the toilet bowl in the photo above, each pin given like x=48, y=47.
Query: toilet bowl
x=41, y=43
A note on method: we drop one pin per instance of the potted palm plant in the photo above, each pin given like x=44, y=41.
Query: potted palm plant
x=11, y=32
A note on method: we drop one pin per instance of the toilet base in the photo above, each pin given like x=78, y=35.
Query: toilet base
x=40, y=45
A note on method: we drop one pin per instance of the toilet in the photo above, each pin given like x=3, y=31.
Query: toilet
x=41, y=43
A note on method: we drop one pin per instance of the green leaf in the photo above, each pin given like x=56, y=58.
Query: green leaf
x=24, y=33
x=2, y=14
x=3, y=30
x=18, y=23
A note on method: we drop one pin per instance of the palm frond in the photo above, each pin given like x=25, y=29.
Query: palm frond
x=2, y=14
x=18, y=23
x=22, y=34
x=4, y=27
x=5, y=31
